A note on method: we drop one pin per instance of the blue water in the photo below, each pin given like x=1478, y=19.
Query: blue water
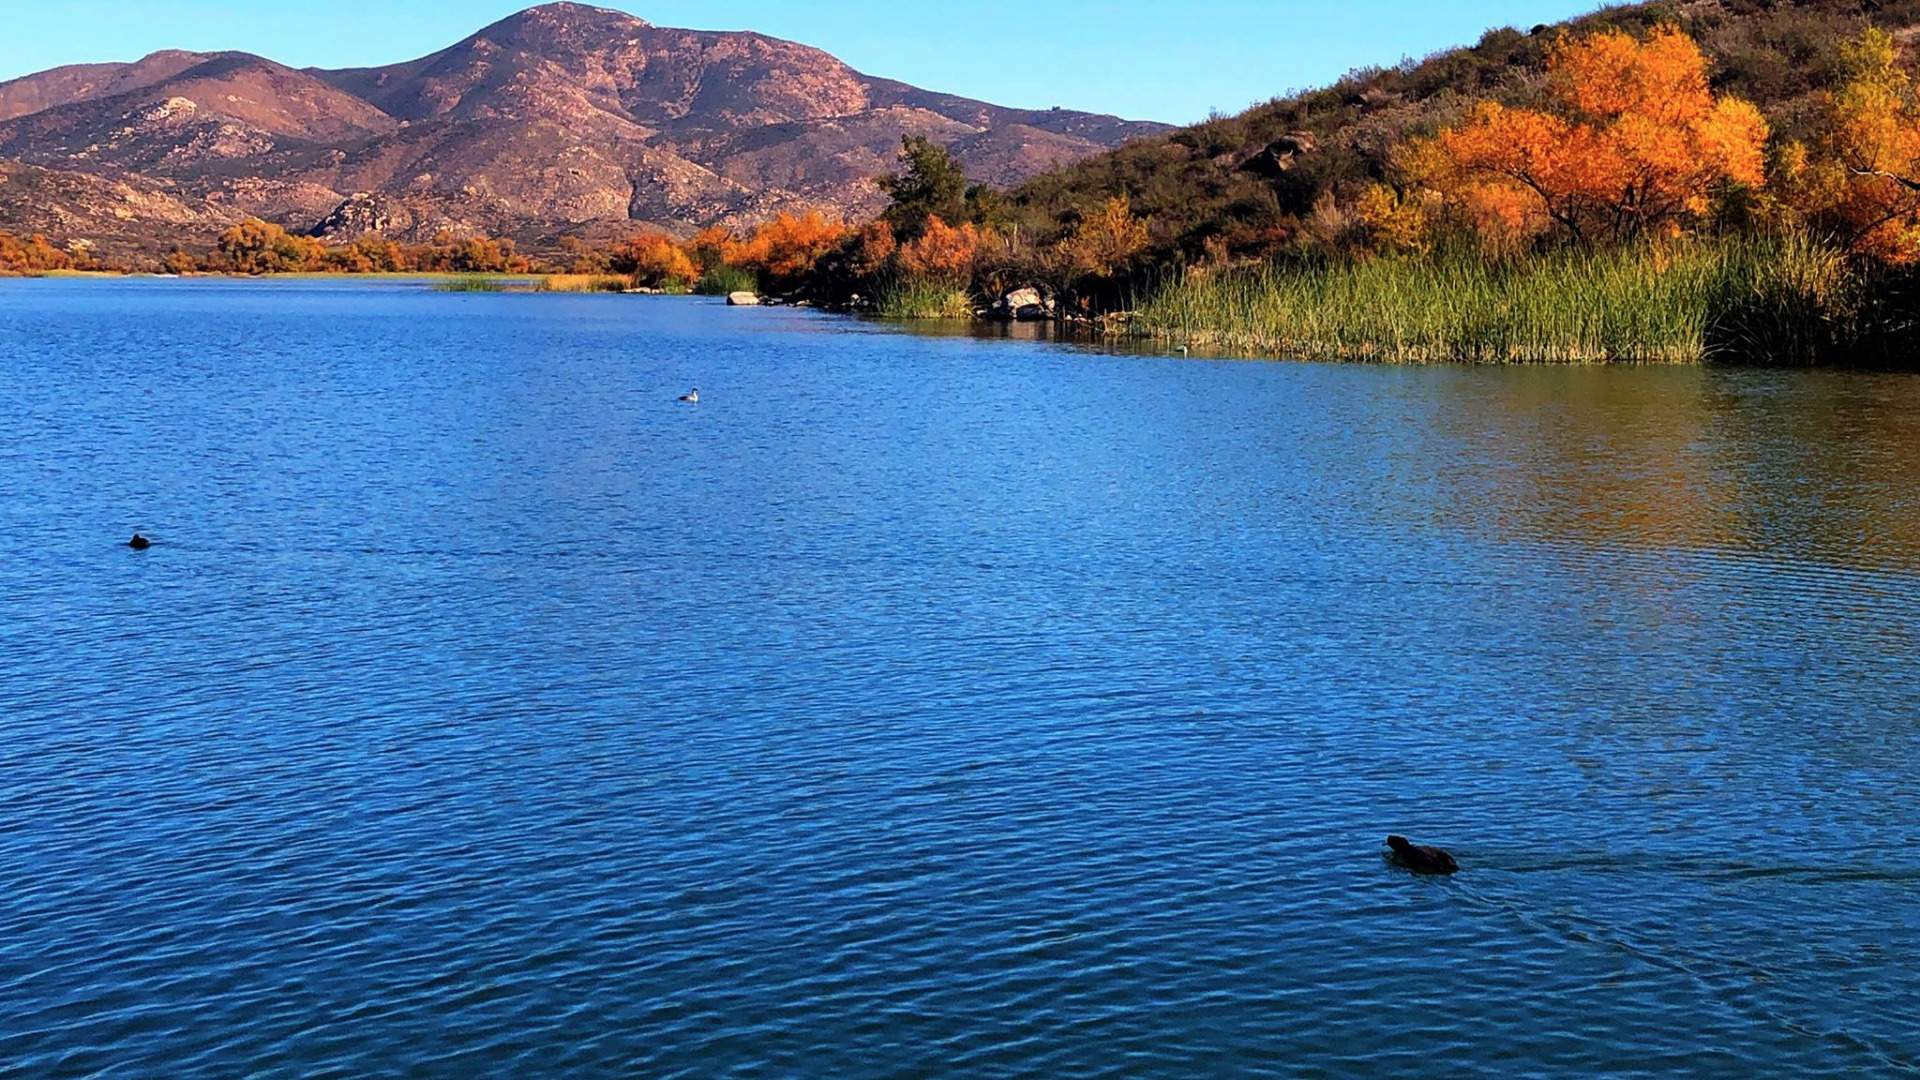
x=932, y=706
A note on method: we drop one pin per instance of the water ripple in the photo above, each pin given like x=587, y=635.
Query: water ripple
x=932, y=706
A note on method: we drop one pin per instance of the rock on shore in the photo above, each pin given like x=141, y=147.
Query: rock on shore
x=1023, y=305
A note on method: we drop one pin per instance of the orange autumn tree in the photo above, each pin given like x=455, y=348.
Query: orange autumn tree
x=714, y=246
x=873, y=248
x=655, y=260
x=259, y=247
x=1632, y=142
x=577, y=256
x=787, y=247
x=33, y=255
x=942, y=251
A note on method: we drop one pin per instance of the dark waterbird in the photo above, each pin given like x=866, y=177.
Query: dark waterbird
x=139, y=543
x=691, y=398
x=1421, y=859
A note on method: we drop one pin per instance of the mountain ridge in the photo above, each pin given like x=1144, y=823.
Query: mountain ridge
x=563, y=118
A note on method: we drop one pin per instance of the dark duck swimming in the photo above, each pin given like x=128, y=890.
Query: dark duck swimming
x=1421, y=859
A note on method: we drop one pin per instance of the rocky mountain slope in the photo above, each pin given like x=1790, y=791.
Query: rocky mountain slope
x=110, y=215
x=561, y=119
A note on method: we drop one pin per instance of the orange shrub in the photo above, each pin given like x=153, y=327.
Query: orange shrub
x=31, y=256
x=941, y=251
x=654, y=259
x=873, y=248
x=789, y=246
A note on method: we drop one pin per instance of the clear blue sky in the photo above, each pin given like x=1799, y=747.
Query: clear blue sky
x=1141, y=59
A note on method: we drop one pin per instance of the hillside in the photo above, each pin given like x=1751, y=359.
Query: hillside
x=1245, y=186
x=561, y=119
x=124, y=214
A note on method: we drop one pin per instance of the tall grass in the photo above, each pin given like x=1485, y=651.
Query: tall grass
x=909, y=297
x=726, y=280
x=1794, y=301
x=585, y=283
x=473, y=284
x=1677, y=303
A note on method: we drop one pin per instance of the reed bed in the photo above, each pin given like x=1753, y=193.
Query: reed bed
x=1677, y=303
x=584, y=283
x=924, y=298
x=470, y=285
x=723, y=280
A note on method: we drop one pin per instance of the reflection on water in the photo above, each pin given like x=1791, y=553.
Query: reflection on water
x=923, y=704
x=1799, y=465
x=1046, y=333
x=1790, y=465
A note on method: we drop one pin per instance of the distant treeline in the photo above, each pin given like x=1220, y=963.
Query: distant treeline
x=781, y=252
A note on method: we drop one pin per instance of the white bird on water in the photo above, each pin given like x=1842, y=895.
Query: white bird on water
x=692, y=398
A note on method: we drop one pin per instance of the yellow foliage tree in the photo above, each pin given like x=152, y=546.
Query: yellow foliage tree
x=1107, y=241
x=1634, y=142
x=260, y=247
x=1393, y=221
x=449, y=254
x=1867, y=189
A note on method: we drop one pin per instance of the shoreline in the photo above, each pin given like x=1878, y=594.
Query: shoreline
x=1438, y=320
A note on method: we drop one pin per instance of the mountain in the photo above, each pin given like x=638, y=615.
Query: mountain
x=85, y=82
x=561, y=119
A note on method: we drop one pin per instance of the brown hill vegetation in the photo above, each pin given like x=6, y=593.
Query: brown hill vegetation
x=1281, y=175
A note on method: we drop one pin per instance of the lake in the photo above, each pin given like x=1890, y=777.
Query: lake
x=932, y=705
